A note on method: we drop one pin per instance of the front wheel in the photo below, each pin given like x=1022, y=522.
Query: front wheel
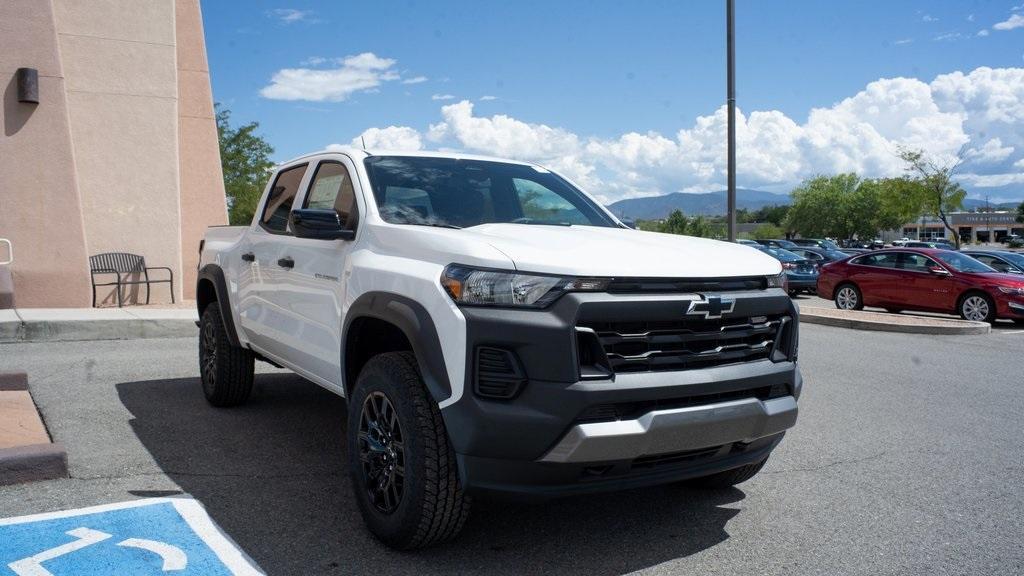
x=728, y=478
x=402, y=467
x=977, y=307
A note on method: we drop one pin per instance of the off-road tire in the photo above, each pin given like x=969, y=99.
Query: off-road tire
x=227, y=380
x=433, y=506
x=728, y=478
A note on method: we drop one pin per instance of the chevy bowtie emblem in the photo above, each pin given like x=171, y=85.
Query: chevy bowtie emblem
x=711, y=308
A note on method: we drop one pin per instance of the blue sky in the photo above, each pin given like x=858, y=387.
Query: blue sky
x=623, y=97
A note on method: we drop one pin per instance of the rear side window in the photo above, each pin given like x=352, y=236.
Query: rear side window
x=331, y=189
x=279, y=201
x=887, y=260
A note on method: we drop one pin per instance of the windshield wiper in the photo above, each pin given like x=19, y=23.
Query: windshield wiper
x=534, y=222
x=434, y=224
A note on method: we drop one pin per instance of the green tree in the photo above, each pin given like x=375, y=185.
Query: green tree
x=942, y=195
x=245, y=160
x=824, y=206
x=768, y=231
x=676, y=223
x=1020, y=212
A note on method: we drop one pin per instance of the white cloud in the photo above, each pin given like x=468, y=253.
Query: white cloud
x=442, y=97
x=390, y=138
x=948, y=36
x=992, y=151
x=982, y=110
x=970, y=17
x=1014, y=21
x=362, y=72
x=488, y=98
x=982, y=32
x=291, y=15
x=903, y=41
x=415, y=80
x=929, y=18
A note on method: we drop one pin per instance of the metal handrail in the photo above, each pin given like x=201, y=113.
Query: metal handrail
x=10, y=252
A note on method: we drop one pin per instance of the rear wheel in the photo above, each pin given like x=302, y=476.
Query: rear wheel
x=225, y=370
x=848, y=298
x=401, y=465
x=728, y=478
x=977, y=307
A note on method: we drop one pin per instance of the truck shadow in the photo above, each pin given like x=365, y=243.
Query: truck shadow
x=272, y=473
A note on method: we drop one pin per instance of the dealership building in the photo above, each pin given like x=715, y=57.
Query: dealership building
x=109, y=145
x=971, y=226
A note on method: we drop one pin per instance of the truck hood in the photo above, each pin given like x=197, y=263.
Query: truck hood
x=619, y=252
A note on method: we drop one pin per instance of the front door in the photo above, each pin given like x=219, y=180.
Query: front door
x=310, y=285
x=931, y=289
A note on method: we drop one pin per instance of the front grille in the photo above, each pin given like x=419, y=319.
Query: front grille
x=644, y=346
x=684, y=285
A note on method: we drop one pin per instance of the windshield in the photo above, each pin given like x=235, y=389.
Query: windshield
x=836, y=254
x=962, y=263
x=456, y=193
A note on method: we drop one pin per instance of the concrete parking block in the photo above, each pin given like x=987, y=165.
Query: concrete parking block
x=10, y=326
x=32, y=463
x=26, y=453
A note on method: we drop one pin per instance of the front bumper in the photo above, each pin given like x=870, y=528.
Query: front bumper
x=675, y=430
x=668, y=425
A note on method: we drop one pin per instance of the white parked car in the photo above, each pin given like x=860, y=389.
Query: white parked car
x=495, y=329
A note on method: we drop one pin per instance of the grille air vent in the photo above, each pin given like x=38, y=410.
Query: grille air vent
x=498, y=374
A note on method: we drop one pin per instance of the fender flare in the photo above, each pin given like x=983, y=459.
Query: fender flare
x=215, y=275
x=415, y=322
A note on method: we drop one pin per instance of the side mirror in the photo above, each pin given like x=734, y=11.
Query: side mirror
x=320, y=225
x=938, y=270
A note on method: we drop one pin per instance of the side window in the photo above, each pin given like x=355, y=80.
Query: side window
x=279, y=201
x=887, y=260
x=916, y=262
x=539, y=203
x=999, y=265
x=331, y=189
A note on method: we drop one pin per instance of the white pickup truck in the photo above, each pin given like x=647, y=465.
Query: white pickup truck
x=495, y=329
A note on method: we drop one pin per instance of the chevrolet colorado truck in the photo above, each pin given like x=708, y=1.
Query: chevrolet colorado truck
x=496, y=330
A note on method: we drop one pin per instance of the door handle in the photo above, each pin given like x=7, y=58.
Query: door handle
x=249, y=257
x=286, y=262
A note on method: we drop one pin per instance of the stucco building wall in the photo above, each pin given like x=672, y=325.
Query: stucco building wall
x=139, y=166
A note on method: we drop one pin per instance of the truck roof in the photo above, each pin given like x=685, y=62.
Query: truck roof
x=365, y=153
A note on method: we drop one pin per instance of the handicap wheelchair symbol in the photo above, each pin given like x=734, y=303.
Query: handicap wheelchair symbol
x=153, y=536
x=173, y=557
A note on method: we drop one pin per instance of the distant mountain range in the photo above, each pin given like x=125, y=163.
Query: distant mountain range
x=715, y=204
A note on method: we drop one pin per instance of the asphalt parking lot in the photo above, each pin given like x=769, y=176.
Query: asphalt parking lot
x=907, y=459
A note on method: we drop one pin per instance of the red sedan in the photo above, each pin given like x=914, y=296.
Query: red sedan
x=923, y=279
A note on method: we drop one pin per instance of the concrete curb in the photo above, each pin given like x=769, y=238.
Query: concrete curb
x=877, y=321
x=27, y=462
x=61, y=326
x=33, y=462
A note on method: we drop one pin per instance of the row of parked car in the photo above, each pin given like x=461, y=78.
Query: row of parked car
x=981, y=285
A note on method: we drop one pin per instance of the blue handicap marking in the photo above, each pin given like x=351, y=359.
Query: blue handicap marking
x=152, y=536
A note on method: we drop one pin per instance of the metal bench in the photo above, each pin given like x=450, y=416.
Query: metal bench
x=123, y=266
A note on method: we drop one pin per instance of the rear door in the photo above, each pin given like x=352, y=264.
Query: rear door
x=876, y=276
x=265, y=322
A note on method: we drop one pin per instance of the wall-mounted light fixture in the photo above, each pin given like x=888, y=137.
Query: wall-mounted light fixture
x=28, y=85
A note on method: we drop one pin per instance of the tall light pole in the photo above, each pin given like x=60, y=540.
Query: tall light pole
x=730, y=42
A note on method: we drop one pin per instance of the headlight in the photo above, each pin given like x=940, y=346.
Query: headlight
x=498, y=288
x=1018, y=291
x=777, y=281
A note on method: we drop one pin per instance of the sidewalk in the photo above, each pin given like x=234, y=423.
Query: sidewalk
x=63, y=324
